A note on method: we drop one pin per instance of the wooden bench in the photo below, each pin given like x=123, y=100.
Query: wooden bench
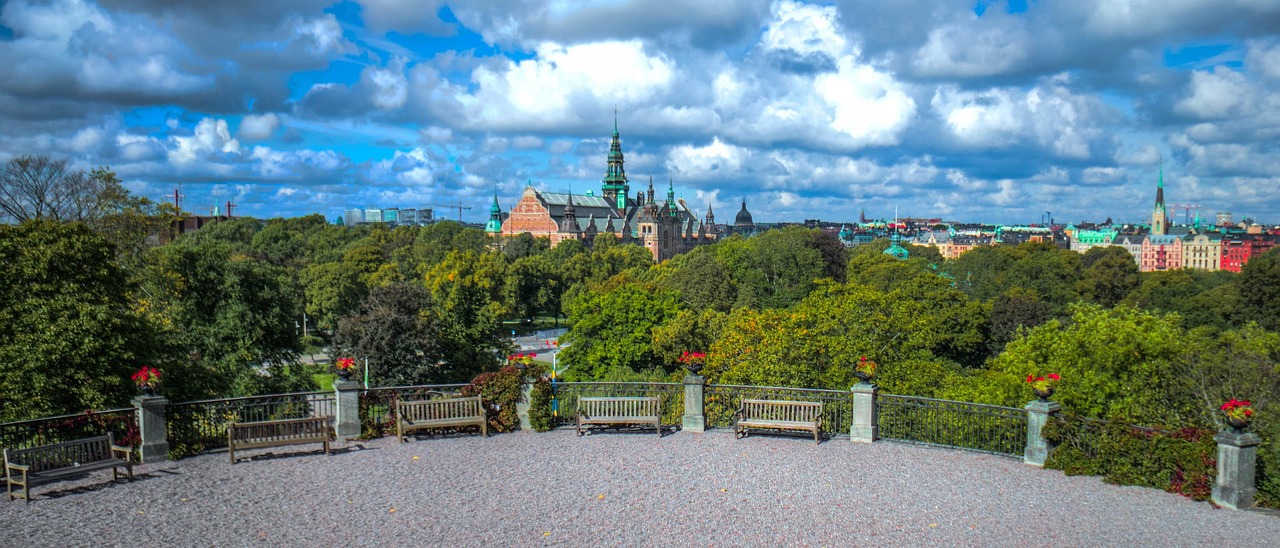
x=253, y=435
x=779, y=415
x=440, y=413
x=24, y=467
x=632, y=410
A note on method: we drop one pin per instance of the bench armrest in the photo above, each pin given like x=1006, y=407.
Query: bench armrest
x=18, y=467
x=127, y=451
x=740, y=413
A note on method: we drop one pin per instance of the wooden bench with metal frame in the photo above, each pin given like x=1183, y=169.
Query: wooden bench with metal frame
x=440, y=413
x=778, y=415
x=254, y=435
x=24, y=467
x=620, y=410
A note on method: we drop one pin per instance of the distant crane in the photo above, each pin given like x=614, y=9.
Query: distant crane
x=1186, y=211
x=458, y=206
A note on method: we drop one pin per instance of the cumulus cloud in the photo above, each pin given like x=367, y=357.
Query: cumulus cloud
x=258, y=127
x=210, y=141
x=1216, y=94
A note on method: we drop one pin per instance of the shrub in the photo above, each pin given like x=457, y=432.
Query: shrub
x=501, y=390
x=1179, y=461
x=540, y=406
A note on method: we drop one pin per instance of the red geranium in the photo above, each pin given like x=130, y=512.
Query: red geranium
x=1238, y=409
x=1047, y=382
x=692, y=357
x=147, y=376
x=346, y=364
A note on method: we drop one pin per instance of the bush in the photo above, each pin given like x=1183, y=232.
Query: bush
x=540, y=406
x=501, y=390
x=1179, y=461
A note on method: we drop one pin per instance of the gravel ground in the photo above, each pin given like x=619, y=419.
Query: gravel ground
x=615, y=488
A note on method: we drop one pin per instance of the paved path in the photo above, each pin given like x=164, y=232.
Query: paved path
x=626, y=489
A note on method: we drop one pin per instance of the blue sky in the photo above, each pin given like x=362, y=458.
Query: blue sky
x=993, y=111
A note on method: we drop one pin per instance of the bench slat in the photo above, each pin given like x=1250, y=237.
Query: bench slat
x=441, y=412
x=253, y=435
x=620, y=410
x=24, y=467
x=778, y=415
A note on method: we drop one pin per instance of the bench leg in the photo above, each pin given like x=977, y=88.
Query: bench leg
x=657, y=425
x=326, y=448
x=231, y=450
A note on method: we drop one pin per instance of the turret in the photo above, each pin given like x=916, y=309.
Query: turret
x=494, y=225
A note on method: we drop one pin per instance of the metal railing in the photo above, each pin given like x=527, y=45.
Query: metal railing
x=972, y=426
x=195, y=427
x=1086, y=434
x=121, y=423
x=564, y=400
x=723, y=400
x=377, y=414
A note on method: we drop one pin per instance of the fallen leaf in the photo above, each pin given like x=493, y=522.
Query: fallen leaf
x=546, y=533
x=933, y=525
x=601, y=497
x=393, y=510
x=415, y=457
x=140, y=512
x=722, y=490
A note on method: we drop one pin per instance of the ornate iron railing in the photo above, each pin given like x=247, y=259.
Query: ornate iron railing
x=377, y=414
x=973, y=426
x=1085, y=434
x=194, y=427
x=564, y=400
x=722, y=400
x=121, y=423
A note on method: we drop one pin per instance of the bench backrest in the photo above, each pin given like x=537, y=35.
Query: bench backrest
x=439, y=409
x=288, y=429
x=62, y=455
x=642, y=406
x=782, y=410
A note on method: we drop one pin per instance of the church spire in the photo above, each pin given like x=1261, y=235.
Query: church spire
x=495, y=216
x=615, y=188
x=1159, y=215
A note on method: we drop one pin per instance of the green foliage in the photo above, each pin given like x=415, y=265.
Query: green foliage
x=467, y=289
x=1114, y=363
x=1181, y=461
x=1201, y=298
x=540, y=415
x=397, y=331
x=702, y=282
x=500, y=391
x=69, y=336
x=1260, y=289
x=613, y=329
x=1049, y=273
x=1110, y=275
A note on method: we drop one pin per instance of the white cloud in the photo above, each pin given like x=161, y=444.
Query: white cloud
x=974, y=48
x=210, y=139
x=706, y=162
x=555, y=87
x=390, y=88
x=867, y=106
x=1217, y=94
x=1264, y=57
x=804, y=29
x=1050, y=115
x=258, y=127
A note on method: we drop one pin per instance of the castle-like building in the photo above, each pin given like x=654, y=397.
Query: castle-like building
x=665, y=228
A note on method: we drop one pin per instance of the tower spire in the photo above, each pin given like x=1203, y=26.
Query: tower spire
x=615, y=187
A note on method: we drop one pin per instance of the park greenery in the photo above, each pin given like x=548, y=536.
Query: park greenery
x=87, y=300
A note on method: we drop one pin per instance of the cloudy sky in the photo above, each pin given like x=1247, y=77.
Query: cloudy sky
x=994, y=111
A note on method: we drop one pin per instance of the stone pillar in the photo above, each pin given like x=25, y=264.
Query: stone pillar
x=522, y=406
x=152, y=428
x=695, y=416
x=1038, y=413
x=1237, y=457
x=346, y=423
x=864, y=429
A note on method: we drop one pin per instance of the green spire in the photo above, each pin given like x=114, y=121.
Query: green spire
x=615, y=177
x=494, y=225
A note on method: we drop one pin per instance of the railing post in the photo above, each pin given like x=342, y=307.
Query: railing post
x=865, y=428
x=1038, y=413
x=522, y=406
x=152, y=428
x=346, y=423
x=1237, y=456
x=695, y=415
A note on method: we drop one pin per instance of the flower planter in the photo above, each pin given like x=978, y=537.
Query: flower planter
x=864, y=376
x=146, y=389
x=1044, y=395
x=344, y=374
x=693, y=367
x=1239, y=425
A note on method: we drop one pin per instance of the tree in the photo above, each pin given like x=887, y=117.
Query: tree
x=234, y=316
x=1110, y=275
x=397, y=329
x=533, y=286
x=332, y=290
x=39, y=187
x=468, y=295
x=1260, y=289
x=69, y=334
x=701, y=281
x=612, y=329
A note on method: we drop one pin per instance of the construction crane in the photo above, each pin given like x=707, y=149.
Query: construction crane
x=458, y=206
x=1186, y=211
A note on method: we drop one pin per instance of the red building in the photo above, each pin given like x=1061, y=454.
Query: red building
x=1236, y=252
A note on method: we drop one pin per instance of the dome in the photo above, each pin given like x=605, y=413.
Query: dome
x=744, y=217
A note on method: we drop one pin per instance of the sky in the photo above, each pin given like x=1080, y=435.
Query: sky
x=990, y=111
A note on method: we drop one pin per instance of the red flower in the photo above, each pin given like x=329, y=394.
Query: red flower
x=1054, y=376
x=346, y=364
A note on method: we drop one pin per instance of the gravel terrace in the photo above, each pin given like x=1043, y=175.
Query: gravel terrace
x=615, y=488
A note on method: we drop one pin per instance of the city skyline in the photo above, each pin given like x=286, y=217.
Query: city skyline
x=992, y=111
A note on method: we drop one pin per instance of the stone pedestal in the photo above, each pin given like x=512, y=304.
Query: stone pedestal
x=864, y=429
x=522, y=406
x=152, y=428
x=694, y=419
x=1038, y=413
x=1237, y=458
x=346, y=423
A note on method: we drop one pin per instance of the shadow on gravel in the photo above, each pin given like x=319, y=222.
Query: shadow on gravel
x=415, y=436
x=784, y=434
x=50, y=490
x=271, y=455
x=640, y=430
